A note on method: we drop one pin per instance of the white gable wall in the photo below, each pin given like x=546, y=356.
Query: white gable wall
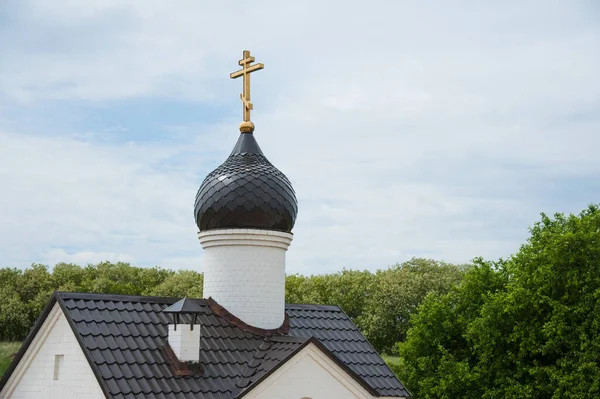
x=309, y=374
x=34, y=376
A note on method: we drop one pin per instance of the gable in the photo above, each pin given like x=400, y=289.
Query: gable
x=34, y=376
x=310, y=373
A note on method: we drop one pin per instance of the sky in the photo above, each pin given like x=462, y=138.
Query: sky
x=408, y=128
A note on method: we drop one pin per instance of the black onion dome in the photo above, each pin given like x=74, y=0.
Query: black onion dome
x=246, y=191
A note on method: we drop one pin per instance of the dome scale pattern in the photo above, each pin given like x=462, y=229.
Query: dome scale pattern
x=246, y=191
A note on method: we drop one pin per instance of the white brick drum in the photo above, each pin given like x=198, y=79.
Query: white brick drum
x=244, y=271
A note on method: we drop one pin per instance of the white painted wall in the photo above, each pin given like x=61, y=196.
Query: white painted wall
x=34, y=376
x=244, y=271
x=309, y=374
x=185, y=342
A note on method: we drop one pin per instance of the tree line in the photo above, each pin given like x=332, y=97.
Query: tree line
x=523, y=327
x=380, y=303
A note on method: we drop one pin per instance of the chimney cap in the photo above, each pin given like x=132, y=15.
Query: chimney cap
x=184, y=306
x=181, y=307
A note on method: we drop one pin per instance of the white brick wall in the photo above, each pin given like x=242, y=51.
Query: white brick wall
x=244, y=271
x=34, y=377
x=309, y=374
x=185, y=342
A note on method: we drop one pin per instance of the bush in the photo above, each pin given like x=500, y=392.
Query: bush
x=526, y=327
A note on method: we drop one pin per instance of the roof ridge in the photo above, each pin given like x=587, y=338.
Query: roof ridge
x=168, y=300
x=287, y=339
x=309, y=306
x=124, y=298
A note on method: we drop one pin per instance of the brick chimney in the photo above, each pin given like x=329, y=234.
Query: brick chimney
x=184, y=338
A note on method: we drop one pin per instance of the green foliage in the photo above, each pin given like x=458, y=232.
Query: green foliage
x=400, y=289
x=122, y=278
x=349, y=289
x=381, y=303
x=24, y=293
x=437, y=354
x=184, y=283
x=7, y=349
x=528, y=327
x=71, y=278
x=395, y=363
x=15, y=315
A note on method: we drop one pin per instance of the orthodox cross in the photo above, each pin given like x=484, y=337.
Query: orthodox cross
x=245, y=72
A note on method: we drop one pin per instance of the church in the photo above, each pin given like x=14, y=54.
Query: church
x=240, y=341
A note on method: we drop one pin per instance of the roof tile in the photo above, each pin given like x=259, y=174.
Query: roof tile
x=124, y=336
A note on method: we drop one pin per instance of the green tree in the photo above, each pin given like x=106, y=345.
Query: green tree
x=353, y=291
x=122, y=278
x=297, y=288
x=14, y=315
x=70, y=277
x=349, y=289
x=151, y=277
x=437, y=356
x=184, y=283
x=33, y=281
x=10, y=277
x=24, y=293
x=533, y=332
x=397, y=293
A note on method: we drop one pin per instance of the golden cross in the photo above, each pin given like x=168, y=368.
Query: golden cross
x=245, y=72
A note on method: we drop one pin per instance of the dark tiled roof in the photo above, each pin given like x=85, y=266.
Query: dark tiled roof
x=123, y=337
x=246, y=191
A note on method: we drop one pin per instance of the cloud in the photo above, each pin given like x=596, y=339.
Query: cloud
x=56, y=256
x=406, y=130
